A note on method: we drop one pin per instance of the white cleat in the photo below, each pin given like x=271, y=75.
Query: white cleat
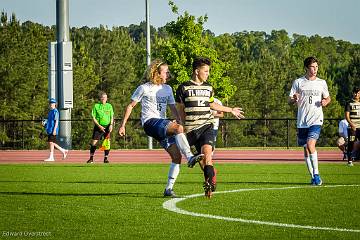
x=49, y=160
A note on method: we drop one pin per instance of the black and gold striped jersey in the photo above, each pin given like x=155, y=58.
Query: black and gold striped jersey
x=196, y=99
x=353, y=107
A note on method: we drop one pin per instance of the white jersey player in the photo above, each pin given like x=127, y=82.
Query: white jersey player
x=310, y=94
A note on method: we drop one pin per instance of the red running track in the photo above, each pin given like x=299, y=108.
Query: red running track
x=160, y=156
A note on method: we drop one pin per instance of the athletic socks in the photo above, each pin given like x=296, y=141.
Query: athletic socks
x=309, y=166
x=172, y=175
x=208, y=172
x=315, y=164
x=183, y=145
x=92, y=151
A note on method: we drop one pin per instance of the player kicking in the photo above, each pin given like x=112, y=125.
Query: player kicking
x=195, y=100
x=154, y=96
x=310, y=94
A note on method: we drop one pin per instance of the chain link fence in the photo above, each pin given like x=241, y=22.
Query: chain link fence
x=30, y=134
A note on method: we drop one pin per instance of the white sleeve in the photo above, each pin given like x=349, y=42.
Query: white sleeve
x=325, y=92
x=294, y=88
x=171, y=99
x=138, y=94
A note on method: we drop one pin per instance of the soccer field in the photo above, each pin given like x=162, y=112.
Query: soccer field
x=124, y=201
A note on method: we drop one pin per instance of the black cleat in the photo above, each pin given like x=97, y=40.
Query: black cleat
x=195, y=159
x=90, y=161
x=169, y=193
x=208, y=189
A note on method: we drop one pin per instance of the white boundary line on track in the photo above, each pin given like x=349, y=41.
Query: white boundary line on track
x=171, y=206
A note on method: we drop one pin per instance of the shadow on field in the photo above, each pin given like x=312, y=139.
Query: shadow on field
x=74, y=194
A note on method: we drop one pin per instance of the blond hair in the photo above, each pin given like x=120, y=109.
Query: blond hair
x=152, y=72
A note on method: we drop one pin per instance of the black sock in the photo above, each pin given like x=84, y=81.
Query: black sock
x=208, y=172
x=92, y=151
x=106, y=152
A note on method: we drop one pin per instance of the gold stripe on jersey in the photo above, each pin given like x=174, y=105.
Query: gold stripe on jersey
x=355, y=113
x=196, y=98
x=197, y=117
x=197, y=109
x=197, y=87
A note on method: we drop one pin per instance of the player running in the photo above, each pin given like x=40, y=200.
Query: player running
x=195, y=99
x=310, y=94
x=154, y=96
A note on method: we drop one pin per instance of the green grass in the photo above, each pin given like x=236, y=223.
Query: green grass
x=124, y=201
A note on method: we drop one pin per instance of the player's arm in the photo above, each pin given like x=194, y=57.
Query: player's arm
x=351, y=124
x=181, y=112
x=111, y=120
x=294, y=98
x=325, y=101
x=236, y=111
x=175, y=113
x=127, y=114
x=56, y=123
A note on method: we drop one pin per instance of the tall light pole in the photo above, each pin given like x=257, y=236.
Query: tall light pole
x=61, y=72
x=148, y=52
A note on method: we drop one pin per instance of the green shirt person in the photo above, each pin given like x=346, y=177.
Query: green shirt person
x=103, y=118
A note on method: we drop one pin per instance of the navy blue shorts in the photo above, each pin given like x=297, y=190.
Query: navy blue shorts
x=305, y=134
x=156, y=128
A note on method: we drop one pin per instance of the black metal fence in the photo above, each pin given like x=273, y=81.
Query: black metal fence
x=30, y=134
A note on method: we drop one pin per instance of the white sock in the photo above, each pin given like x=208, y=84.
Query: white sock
x=51, y=155
x=172, y=175
x=309, y=166
x=183, y=145
x=314, y=160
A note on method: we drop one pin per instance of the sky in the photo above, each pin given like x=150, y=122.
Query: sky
x=335, y=18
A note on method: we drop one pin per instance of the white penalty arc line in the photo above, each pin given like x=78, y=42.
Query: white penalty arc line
x=171, y=206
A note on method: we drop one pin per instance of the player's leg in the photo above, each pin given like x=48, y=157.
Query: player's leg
x=174, y=170
x=302, y=138
x=106, y=151
x=313, y=136
x=62, y=150
x=182, y=143
x=350, y=146
x=205, y=141
x=96, y=136
x=51, y=139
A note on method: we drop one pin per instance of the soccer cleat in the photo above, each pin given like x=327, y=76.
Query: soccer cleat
x=90, y=161
x=208, y=188
x=169, y=193
x=312, y=181
x=49, y=159
x=106, y=160
x=195, y=159
x=317, y=180
x=65, y=154
x=350, y=163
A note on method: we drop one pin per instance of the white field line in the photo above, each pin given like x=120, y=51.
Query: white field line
x=171, y=206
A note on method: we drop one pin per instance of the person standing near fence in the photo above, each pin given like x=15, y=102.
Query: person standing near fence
x=352, y=115
x=103, y=118
x=52, y=130
x=310, y=94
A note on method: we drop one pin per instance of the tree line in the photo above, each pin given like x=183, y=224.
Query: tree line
x=253, y=70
